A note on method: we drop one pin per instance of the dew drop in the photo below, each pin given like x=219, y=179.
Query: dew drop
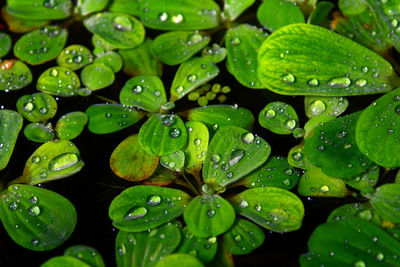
x=317, y=107
x=341, y=82
x=63, y=161
x=163, y=16
x=258, y=207
x=297, y=156
x=122, y=23
x=359, y=263
x=168, y=120
x=177, y=18
x=13, y=206
x=324, y=188
x=248, y=138
x=174, y=133
x=135, y=213
x=122, y=250
x=215, y=158
x=29, y=106
x=360, y=82
x=243, y=204
x=34, y=211
x=290, y=124
x=154, y=200
x=288, y=78
x=313, y=82
x=192, y=78
x=269, y=114
x=238, y=238
x=197, y=142
x=137, y=89
x=54, y=73
x=235, y=156
x=211, y=213
x=235, y=41
x=195, y=39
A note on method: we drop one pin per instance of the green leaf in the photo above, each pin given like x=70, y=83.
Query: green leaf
x=71, y=125
x=143, y=207
x=316, y=183
x=378, y=129
x=64, y=261
x=351, y=242
x=18, y=25
x=179, y=14
x=215, y=52
x=161, y=135
x=357, y=210
x=86, y=254
x=90, y=6
x=275, y=172
x=191, y=74
x=174, y=161
x=175, y=47
x=209, y=215
x=74, y=57
x=325, y=105
x=233, y=8
x=242, y=43
x=39, y=9
x=274, y=14
x=146, y=92
x=14, y=75
x=161, y=177
x=243, y=237
x=197, y=145
x=146, y=248
x=37, y=107
x=97, y=76
x=38, y=132
x=100, y=45
x=227, y=162
x=109, y=118
x=131, y=162
x=278, y=117
x=183, y=260
x=131, y=7
x=333, y=148
x=289, y=58
x=9, y=134
x=58, y=81
x=297, y=158
x=223, y=258
x=111, y=60
x=51, y=161
x=368, y=179
x=352, y=7
x=319, y=120
x=273, y=208
x=320, y=13
x=202, y=247
x=217, y=116
x=5, y=44
x=386, y=202
x=117, y=29
x=41, y=45
x=36, y=218
x=141, y=60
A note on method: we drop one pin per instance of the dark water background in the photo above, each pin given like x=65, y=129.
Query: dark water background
x=92, y=189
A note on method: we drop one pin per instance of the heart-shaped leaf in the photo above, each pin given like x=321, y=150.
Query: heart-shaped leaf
x=273, y=208
x=117, y=29
x=143, y=207
x=316, y=183
x=209, y=215
x=64, y=261
x=39, y=9
x=5, y=44
x=41, y=45
x=243, y=237
x=58, y=81
x=242, y=44
x=191, y=74
x=275, y=172
x=97, y=76
x=179, y=14
x=351, y=242
x=146, y=92
x=131, y=162
x=297, y=60
x=110, y=59
x=386, y=202
x=175, y=47
x=196, y=148
x=131, y=7
x=378, y=130
x=74, y=57
x=9, y=134
x=233, y=8
x=109, y=118
x=90, y=6
x=36, y=218
x=279, y=118
x=37, y=107
x=141, y=60
x=38, y=132
x=146, y=248
x=332, y=147
x=14, y=75
x=216, y=116
x=70, y=125
x=174, y=161
x=51, y=161
x=161, y=135
x=227, y=162
x=86, y=254
x=325, y=105
x=202, y=247
x=358, y=210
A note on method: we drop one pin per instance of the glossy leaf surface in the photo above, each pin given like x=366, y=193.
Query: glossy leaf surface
x=5, y=44
x=289, y=58
x=233, y=8
x=367, y=179
x=174, y=161
x=110, y=59
x=71, y=125
x=325, y=105
x=298, y=158
x=91, y=6
x=233, y=153
x=386, y=202
x=143, y=207
x=278, y=117
x=14, y=75
x=197, y=144
x=36, y=218
x=131, y=7
x=359, y=210
x=97, y=76
x=64, y=261
x=19, y=25
x=9, y=134
x=58, y=81
x=131, y=162
x=38, y=9
x=273, y=208
x=184, y=260
x=209, y=215
x=86, y=254
x=38, y=132
x=74, y=57
x=37, y=107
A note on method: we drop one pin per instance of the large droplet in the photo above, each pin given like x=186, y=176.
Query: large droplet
x=215, y=158
x=177, y=18
x=135, y=213
x=54, y=73
x=154, y=200
x=168, y=120
x=235, y=41
x=248, y=138
x=122, y=23
x=341, y=82
x=211, y=213
x=163, y=16
x=34, y=210
x=290, y=124
x=29, y=106
x=359, y=263
x=174, y=133
x=194, y=38
x=192, y=78
x=288, y=78
x=63, y=161
x=360, y=82
x=269, y=114
x=137, y=89
x=313, y=82
x=317, y=107
x=243, y=204
x=235, y=156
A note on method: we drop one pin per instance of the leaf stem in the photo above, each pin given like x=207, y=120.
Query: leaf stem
x=194, y=189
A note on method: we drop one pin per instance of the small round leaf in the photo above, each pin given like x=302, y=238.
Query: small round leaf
x=70, y=125
x=14, y=75
x=279, y=118
x=58, y=81
x=9, y=134
x=74, y=57
x=37, y=107
x=38, y=132
x=97, y=76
